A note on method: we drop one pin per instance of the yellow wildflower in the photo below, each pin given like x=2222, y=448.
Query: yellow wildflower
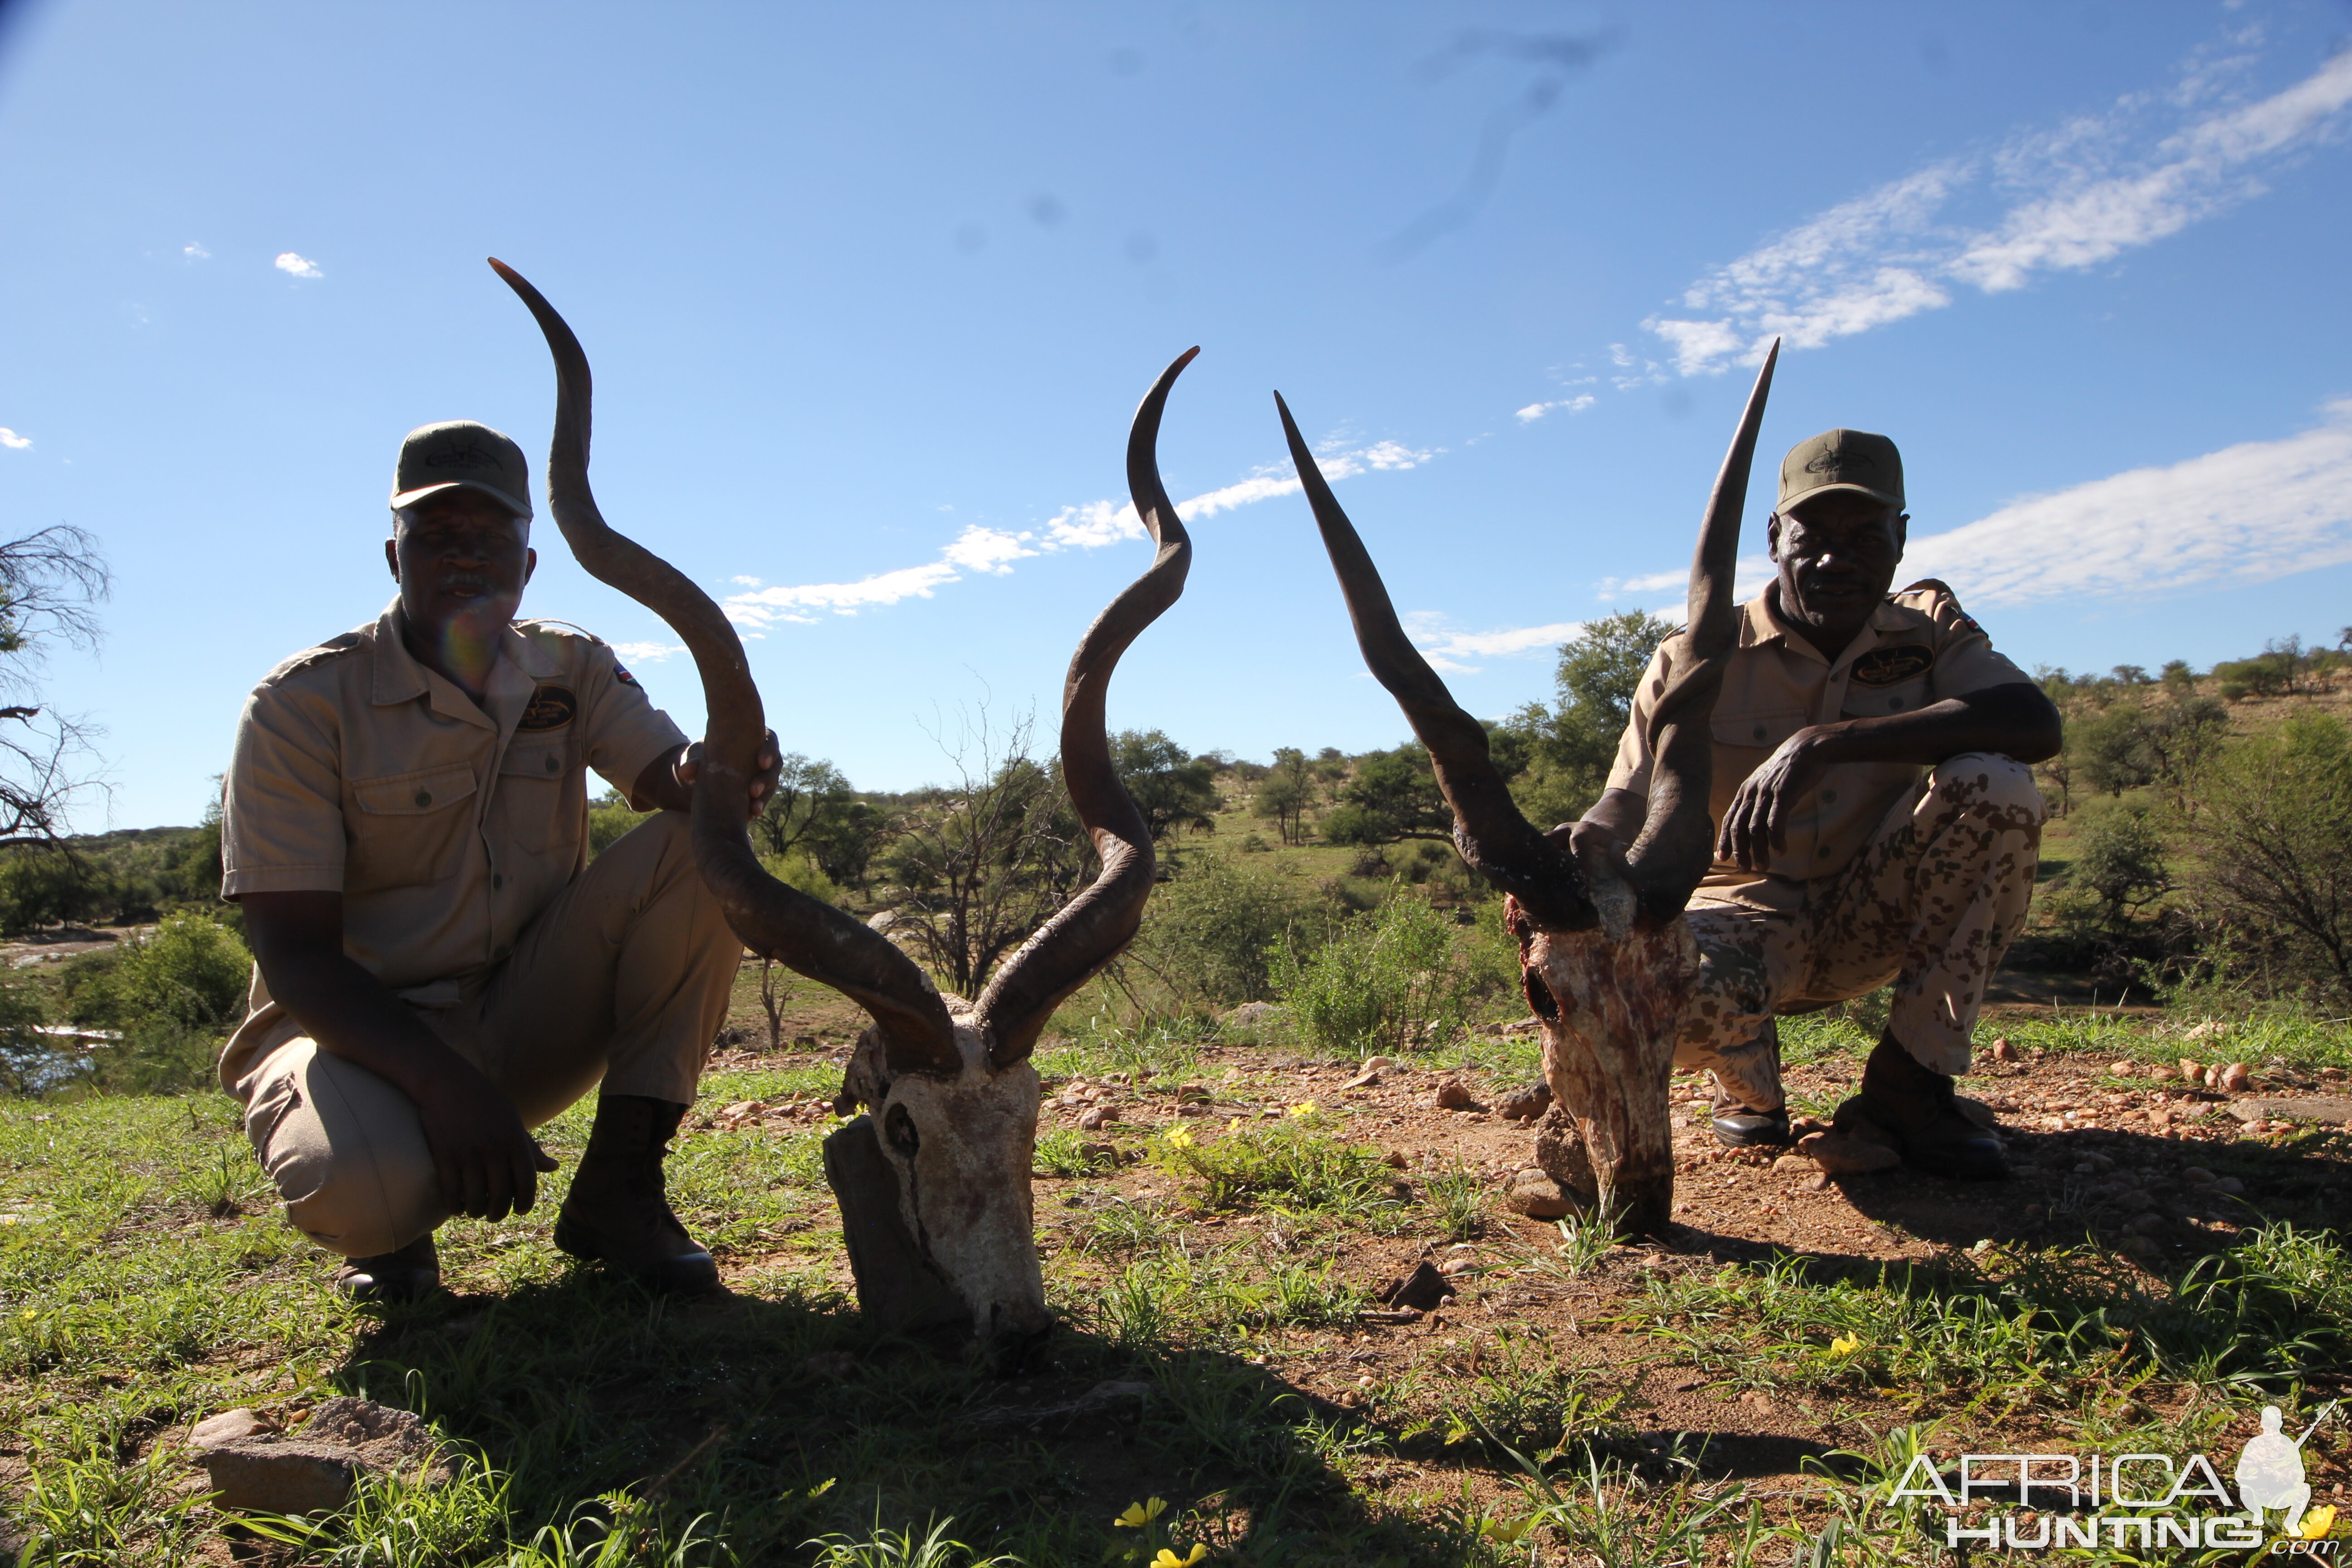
x=1140, y=1514
x=1508, y=1534
x=1181, y=1136
x=2319, y=1522
x=1845, y=1344
x=1167, y=1559
x=1303, y=1108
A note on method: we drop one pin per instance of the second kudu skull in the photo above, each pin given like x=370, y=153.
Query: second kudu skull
x=934, y=1180
x=1606, y=958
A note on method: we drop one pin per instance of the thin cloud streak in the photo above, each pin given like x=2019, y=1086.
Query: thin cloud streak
x=1449, y=649
x=2246, y=514
x=2080, y=196
x=991, y=552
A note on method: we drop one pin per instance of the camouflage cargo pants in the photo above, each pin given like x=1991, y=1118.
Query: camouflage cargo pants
x=1929, y=906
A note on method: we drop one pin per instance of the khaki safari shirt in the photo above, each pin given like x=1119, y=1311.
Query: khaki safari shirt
x=1919, y=647
x=446, y=827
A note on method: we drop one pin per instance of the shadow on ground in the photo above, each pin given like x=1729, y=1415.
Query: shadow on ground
x=782, y=1419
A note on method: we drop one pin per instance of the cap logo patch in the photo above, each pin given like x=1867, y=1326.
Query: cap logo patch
x=469, y=456
x=552, y=708
x=1886, y=665
x=1838, y=462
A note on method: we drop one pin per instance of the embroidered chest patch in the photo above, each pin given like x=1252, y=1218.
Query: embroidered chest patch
x=1886, y=665
x=552, y=708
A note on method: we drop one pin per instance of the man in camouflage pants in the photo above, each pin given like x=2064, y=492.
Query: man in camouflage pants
x=1877, y=815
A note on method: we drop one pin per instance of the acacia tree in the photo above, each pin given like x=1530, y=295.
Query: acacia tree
x=1171, y=787
x=50, y=584
x=986, y=861
x=1286, y=791
x=1568, y=747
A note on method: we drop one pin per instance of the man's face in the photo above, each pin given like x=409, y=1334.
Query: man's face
x=461, y=559
x=1837, y=553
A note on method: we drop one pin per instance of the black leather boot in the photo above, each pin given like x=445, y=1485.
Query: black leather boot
x=616, y=1212
x=1738, y=1126
x=409, y=1274
x=1914, y=1106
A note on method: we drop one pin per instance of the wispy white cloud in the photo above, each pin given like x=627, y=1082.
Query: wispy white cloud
x=1576, y=404
x=2075, y=196
x=1091, y=525
x=14, y=442
x=2246, y=514
x=195, y=251
x=300, y=266
x=1448, y=648
x=646, y=652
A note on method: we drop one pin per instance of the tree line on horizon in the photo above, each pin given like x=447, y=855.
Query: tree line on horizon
x=2203, y=831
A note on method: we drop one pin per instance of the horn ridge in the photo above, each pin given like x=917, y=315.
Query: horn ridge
x=1493, y=836
x=1090, y=929
x=803, y=933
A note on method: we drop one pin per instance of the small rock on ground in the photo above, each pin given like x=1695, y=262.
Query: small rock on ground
x=1537, y=1197
x=1524, y=1104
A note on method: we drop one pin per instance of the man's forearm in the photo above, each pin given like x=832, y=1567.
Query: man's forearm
x=352, y=1016
x=657, y=787
x=2015, y=720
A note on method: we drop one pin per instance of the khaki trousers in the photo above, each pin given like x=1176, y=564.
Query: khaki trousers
x=622, y=980
x=1929, y=906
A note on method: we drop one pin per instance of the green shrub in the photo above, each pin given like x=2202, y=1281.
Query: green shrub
x=1402, y=976
x=2120, y=859
x=1211, y=932
x=191, y=971
x=2275, y=832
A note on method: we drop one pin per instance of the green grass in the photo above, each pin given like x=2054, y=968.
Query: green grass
x=146, y=1280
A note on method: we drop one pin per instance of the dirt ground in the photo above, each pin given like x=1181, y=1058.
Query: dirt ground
x=2148, y=1172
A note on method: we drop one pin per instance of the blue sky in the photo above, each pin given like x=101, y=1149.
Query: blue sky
x=871, y=293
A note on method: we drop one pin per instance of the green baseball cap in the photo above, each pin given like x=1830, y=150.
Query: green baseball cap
x=1841, y=461
x=461, y=454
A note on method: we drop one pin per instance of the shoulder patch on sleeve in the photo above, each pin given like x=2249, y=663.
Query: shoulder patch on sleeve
x=1938, y=598
x=331, y=648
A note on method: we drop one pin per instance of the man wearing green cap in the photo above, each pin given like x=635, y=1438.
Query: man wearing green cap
x=440, y=967
x=1877, y=822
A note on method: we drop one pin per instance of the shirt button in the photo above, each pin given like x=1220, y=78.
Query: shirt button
x=1760, y=731
x=425, y=797
x=1829, y=797
x=498, y=880
x=1894, y=703
x=551, y=765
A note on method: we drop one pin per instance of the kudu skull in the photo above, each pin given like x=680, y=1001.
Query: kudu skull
x=934, y=1182
x=1606, y=953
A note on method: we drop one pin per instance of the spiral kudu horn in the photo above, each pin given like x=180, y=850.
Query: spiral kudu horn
x=1677, y=839
x=1092, y=928
x=1671, y=854
x=801, y=932
x=1499, y=843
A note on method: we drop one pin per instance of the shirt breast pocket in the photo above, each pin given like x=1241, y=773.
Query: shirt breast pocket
x=1898, y=697
x=1758, y=732
x=410, y=829
x=536, y=802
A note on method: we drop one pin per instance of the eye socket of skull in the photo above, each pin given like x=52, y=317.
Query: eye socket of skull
x=898, y=1127
x=1540, y=1000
